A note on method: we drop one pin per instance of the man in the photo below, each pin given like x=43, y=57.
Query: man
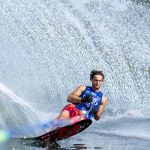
x=86, y=102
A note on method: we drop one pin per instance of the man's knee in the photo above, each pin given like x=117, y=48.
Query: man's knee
x=64, y=115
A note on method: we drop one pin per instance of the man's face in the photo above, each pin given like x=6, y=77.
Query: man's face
x=97, y=81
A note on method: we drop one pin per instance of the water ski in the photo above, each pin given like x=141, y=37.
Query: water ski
x=59, y=134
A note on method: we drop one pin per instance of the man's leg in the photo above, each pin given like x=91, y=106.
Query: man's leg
x=76, y=119
x=61, y=120
x=69, y=115
x=64, y=115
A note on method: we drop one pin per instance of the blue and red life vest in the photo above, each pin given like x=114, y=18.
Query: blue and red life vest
x=86, y=107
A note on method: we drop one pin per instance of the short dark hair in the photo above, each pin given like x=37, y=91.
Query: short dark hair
x=96, y=72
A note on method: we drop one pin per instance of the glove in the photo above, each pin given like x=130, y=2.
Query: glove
x=87, y=99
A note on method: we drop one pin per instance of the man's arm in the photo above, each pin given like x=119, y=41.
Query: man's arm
x=74, y=96
x=98, y=114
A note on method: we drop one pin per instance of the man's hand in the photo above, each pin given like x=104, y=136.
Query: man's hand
x=87, y=99
x=93, y=110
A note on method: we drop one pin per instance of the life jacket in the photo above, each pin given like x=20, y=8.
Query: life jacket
x=87, y=108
